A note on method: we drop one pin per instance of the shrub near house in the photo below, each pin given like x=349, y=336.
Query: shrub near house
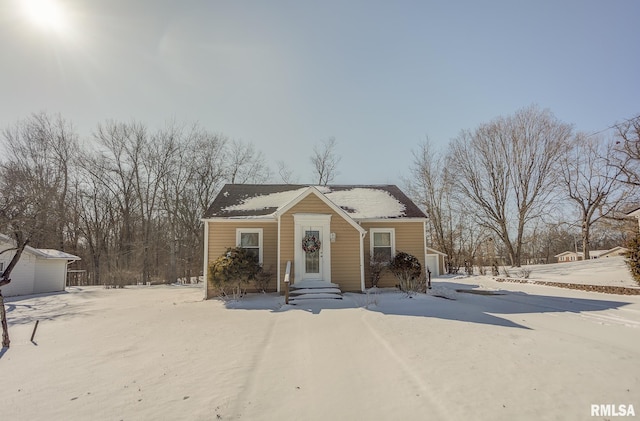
x=232, y=272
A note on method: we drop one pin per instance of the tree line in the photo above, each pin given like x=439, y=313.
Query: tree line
x=129, y=200
x=522, y=188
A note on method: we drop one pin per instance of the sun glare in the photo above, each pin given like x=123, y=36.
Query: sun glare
x=46, y=14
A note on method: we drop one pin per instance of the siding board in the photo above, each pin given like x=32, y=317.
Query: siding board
x=345, y=251
x=222, y=235
x=409, y=238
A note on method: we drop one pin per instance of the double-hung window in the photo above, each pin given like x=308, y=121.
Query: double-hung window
x=250, y=239
x=383, y=247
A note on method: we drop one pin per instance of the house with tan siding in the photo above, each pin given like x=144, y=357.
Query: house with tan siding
x=327, y=234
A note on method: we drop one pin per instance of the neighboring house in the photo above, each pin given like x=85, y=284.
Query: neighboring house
x=616, y=251
x=571, y=256
x=435, y=261
x=595, y=254
x=635, y=214
x=350, y=224
x=38, y=270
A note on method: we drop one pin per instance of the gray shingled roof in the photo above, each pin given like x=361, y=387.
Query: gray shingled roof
x=233, y=199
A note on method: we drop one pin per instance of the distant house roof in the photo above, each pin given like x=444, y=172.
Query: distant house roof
x=592, y=253
x=434, y=251
x=596, y=253
x=615, y=251
x=357, y=201
x=635, y=212
x=568, y=253
x=55, y=254
x=41, y=253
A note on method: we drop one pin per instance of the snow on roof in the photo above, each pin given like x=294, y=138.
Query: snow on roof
x=44, y=253
x=358, y=202
x=567, y=253
x=266, y=201
x=364, y=203
x=593, y=253
x=57, y=254
x=635, y=212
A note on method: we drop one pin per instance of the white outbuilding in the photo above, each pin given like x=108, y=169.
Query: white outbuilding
x=38, y=271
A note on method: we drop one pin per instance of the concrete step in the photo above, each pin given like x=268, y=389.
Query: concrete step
x=304, y=291
x=316, y=296
x=301, y=291
x=313, y=285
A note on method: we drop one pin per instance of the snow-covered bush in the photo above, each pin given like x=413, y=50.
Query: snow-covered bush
x=468, y=267
x=407, y=269
x=231, y=273
x=633, y=257
x=118, y=278
x=377, y=265
x=524, y=273
x=494, y=269
x=262, y=279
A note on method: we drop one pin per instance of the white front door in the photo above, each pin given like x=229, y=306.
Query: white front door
x=312, y=247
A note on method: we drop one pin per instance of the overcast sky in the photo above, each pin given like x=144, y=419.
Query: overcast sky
x=378, y=76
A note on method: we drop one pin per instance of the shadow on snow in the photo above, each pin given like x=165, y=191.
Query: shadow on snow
x=472, y=308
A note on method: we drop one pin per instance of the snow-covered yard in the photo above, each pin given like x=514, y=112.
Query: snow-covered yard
x=609, y=271
x=532, y=352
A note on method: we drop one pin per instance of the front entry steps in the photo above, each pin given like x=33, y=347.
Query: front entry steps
x=313, y=290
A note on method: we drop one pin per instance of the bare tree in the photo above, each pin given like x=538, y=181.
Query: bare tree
x=627, y=150
x=207, y=153
x=17, y=215
x=34, y=182
x=285, y=173
x=430, y=187
x=5, y=278
x=245, y=164
x=450, y=227
x=208, y=173
x=325, y=161
x=96, y=210
x=195, y=172
x=131, y=205
x=591, y=182
x=505, y=168
x=119, y=146
x=41, y=151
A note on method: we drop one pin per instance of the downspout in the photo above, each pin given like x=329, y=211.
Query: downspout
x=424, y=238
x=278, y=259
x=206, y=258
x=362, y=235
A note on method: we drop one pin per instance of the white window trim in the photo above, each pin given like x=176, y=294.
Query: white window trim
x=373, y=231
x=240, y=231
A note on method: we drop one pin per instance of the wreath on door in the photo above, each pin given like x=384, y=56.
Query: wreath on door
x=310, y=244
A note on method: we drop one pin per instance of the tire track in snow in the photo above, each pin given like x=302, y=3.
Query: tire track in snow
x=441, y=412
x=260, y=353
